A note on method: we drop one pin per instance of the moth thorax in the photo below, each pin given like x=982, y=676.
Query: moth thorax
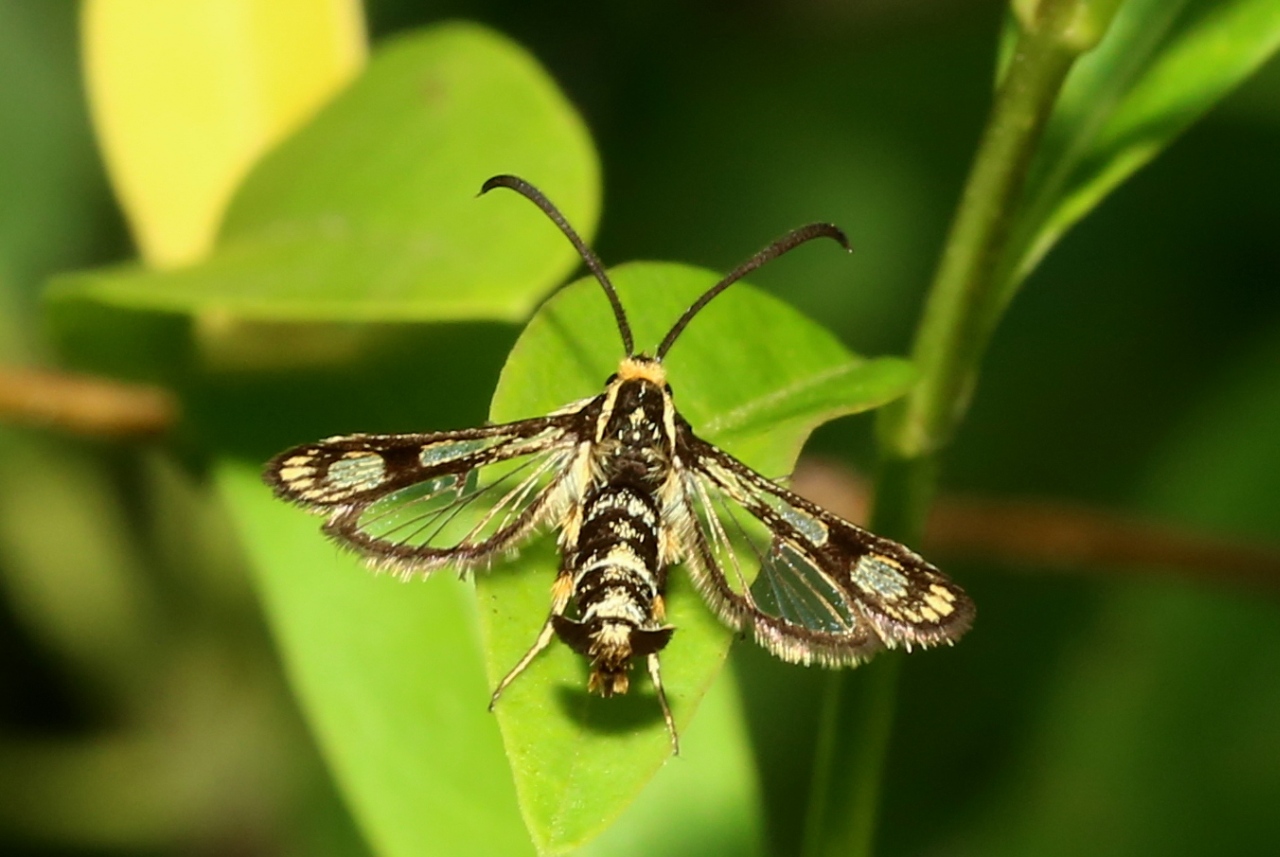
x=633, y=432
x=637, y=413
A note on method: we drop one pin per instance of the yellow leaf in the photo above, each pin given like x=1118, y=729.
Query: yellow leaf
x=187, y=94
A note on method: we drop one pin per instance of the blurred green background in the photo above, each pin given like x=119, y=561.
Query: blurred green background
x=1091, y=710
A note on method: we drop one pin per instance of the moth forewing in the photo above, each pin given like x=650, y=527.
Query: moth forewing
x=451, y=498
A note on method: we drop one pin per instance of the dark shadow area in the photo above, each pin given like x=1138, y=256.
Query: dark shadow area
x=637, y=709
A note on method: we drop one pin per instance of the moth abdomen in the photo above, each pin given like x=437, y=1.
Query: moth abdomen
x=617, y=586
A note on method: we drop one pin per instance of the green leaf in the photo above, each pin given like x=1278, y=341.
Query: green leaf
x=706, y=803
x=390, y=677
x=747, y=361
x=1161, y=66
x=369, y=213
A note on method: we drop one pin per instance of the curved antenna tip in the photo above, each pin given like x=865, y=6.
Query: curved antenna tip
x=502, y=180
x=593, y=262
x=785, y=244
x=835, y=233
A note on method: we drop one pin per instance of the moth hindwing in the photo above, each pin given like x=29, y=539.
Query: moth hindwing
x=632, y=493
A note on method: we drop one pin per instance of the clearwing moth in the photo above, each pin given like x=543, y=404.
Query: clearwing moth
x=632, y=492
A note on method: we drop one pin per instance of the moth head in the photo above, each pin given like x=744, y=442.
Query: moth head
x=640, y=374
x=642, y=367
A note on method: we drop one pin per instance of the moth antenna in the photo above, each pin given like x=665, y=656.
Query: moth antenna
x=539, y=199
x=787, y=242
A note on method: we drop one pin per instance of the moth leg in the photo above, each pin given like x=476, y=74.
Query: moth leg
x=655, y=673
x=544, y=640
x=560, y=592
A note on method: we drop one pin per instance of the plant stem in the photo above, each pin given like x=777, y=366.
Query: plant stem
x=960, y=314
x=963, y=304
